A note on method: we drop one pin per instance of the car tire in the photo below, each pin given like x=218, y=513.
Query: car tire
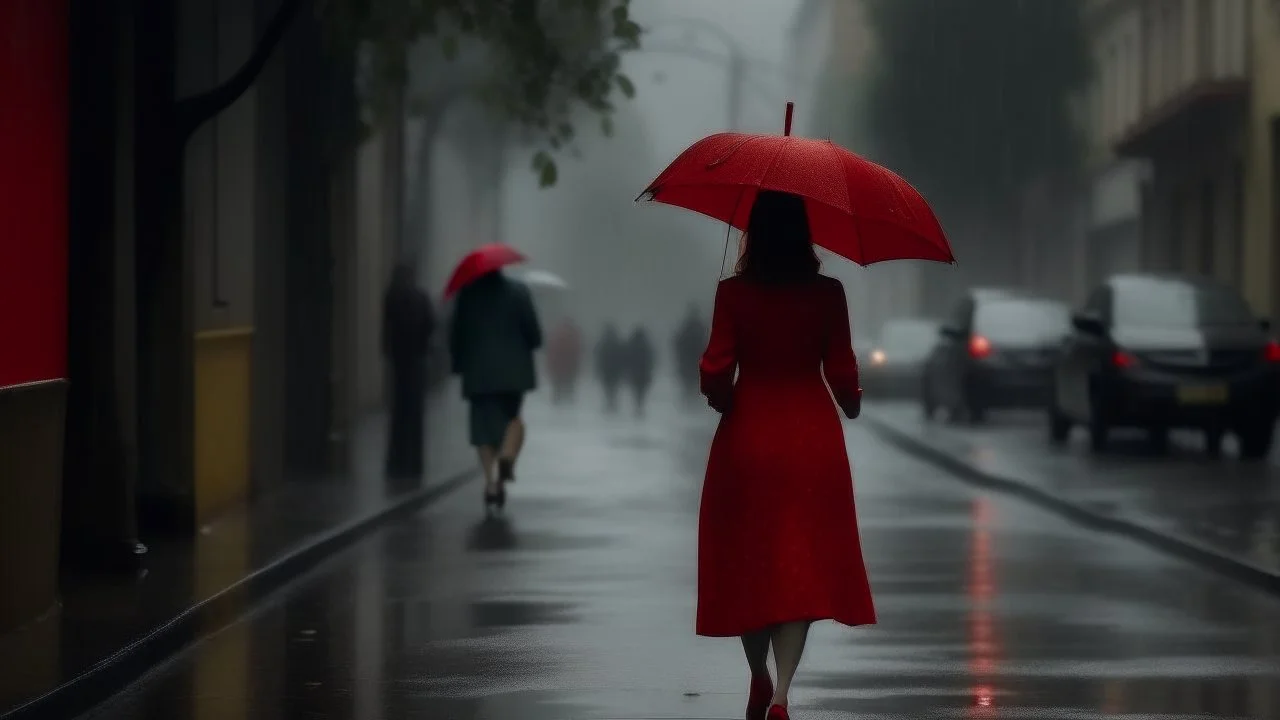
x=1255, y=441
x=1158, y=439
x=928, y=407
x=1099, y=426
x=1213, y=442
x=1059, y=426
x=974, y=409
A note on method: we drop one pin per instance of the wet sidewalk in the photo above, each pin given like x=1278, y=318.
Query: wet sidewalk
x=1224, y=510
x=111, y=629
x=578, y=604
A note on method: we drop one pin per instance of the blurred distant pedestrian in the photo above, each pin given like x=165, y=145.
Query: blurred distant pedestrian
x=640, y=362
x=407, y=324
x=494, y=334
x=610, y=364
x=564, y=359
x=778, y=545
x=690, y=340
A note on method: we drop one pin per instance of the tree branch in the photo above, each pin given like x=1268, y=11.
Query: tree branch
x=194, y=111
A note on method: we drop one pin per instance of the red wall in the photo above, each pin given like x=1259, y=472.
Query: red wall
x=33, y=190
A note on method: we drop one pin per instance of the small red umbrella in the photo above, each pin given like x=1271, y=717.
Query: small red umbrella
x=479, y=262
x=857, y=209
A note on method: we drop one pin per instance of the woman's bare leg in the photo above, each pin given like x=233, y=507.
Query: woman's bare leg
x=788, y=646
x=756, y=646
x=512, y=440
x=488, y=456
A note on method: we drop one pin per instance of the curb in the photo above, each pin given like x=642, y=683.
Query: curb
x=1233, y=567
x=215, y=613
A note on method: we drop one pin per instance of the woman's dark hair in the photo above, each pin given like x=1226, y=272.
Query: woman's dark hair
x=778, y=245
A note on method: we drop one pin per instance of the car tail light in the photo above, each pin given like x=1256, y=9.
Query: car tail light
x=1273, y=352
x=979, y=347
x=1121, y=359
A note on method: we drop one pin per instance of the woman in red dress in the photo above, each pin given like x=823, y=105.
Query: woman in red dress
x=778, y=545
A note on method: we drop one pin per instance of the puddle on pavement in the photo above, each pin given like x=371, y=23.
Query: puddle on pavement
x=511, y=613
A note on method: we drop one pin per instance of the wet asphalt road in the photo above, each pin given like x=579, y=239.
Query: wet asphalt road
x=580, y=606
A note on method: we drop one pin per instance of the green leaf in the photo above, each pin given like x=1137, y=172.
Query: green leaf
x=606, y=126
x=449, y=46
x=628, y=30
x=627, y=87
x=548, y=175
x=542, y=159
x=565, y=130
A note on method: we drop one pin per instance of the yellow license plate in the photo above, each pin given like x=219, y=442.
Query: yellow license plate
x=1202, y=394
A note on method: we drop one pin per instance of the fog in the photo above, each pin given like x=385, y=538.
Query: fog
x=625, y=262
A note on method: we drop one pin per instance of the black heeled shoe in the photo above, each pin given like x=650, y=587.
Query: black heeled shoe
x=495, y=500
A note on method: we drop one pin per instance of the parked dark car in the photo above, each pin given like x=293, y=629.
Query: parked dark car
x=996, y=350
x=1161, y=352
x=894, y=366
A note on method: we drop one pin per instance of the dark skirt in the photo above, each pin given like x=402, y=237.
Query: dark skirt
x=490, y=416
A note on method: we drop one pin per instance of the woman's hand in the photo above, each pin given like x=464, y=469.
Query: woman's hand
x=850, y=404
x=852, y=410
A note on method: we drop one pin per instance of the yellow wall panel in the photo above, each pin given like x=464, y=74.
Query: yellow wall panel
x=222, y=409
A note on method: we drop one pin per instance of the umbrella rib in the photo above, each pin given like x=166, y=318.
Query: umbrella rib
x=854, y=219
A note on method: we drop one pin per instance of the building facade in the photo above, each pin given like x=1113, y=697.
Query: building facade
x=1196, y=97
x=1113, y=239
x=832, y=51
x=209, y=367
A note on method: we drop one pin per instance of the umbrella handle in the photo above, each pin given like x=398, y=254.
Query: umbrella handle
x=786, y=128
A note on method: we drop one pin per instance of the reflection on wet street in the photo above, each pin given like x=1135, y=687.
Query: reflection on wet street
x=579, y=604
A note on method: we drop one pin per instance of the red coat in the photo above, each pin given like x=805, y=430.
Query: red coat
x=777, y=532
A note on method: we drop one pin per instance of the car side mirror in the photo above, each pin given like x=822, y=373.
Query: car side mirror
x=1089, y=324
x=950, y=331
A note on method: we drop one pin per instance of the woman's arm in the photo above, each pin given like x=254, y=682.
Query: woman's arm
x=839, y=364
x=719, y=361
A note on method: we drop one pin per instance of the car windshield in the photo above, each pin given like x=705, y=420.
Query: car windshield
x=1022, y=322
x=1178, y=304
x=908, y=339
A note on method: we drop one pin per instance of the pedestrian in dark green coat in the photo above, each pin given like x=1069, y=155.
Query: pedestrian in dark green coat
x=494, y=334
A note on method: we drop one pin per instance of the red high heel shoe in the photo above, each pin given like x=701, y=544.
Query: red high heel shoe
x=760, y=697
x=777, y=712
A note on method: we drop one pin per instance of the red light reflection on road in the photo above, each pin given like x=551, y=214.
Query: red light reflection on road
x=984, y=646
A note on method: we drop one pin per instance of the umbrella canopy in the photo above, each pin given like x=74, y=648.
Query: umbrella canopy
x=480, y=262
x=541, y=279
x=856, y=208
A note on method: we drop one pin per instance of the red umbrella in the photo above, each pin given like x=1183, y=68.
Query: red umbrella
x=479, y=262
x=856, y=208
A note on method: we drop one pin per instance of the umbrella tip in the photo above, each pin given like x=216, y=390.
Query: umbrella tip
x=786, y=128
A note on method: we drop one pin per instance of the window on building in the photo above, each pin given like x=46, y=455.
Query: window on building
x=1236, y=225
x=1208, y=217
x=1110, y=79
x=1205, y=31
x=1172, y=42
x=1151, y=61
x=1274, y=300
x=1177, y=233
